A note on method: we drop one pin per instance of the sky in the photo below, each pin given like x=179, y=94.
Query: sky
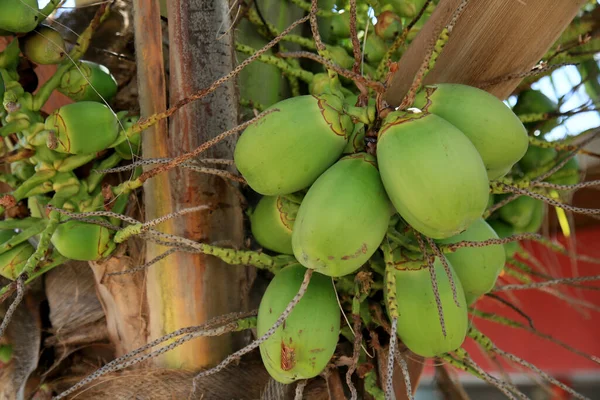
x=562, y=82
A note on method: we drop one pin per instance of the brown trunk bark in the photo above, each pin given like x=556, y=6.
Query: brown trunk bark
x=186, y=289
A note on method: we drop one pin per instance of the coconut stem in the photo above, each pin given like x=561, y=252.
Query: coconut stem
x=444, y=261
x=166, y=160
x=404, y=367
x=13, y=307
x=48, y=9
x=504, y=387
x=489, y=346
x=230, y=256
x=96, y=175
x=389, y=378
x=357, y=330
x=390, y=273
x=512, y=307
x=562, y=250
x=514, y=324
x=216, y=172
x=141, y=228
x=548, y=200
x=33, y=261
x=202, y=148
x=377, y=86
x=286, y=68
x=399, y=42
x=147, y=265
x=258, y=107
x=518, y=275
x=552, y=282
x=354, y=37
x=434, y=284
x=432, y=56
x=22, y=237
x=576, y=186
x=450, y=248
x=254, y=18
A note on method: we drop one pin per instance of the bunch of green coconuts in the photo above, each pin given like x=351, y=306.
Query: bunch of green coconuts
x=432, y=167
x=331, y=205
x=52, y=149
x=326, y=200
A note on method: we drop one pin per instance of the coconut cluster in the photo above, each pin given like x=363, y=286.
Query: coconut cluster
x=330, y=204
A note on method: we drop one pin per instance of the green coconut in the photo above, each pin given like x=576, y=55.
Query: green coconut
x=518, y=212
x=536, y=157
x=388, y=26
x=497, y=133
x=569, y=174
x=19, y=16
x=536, y=221
x=407, y=8
x=89, y=81
x=419, y=325
x=432, y=173
x=82, y=128
x=44, y=46
x=340, y=56
x=339, y=25
x=287, y=150
x=272, y=221
x=343, y=217
x=13, y=261
x=375, y=49
x=83, y=241
x=535, y=102
x=304, y=344
x=476, y=267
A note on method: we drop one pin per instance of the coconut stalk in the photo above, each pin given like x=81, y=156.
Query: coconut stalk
x=184, y=289
x=492, y=43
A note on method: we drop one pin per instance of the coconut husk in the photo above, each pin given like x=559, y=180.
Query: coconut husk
x=24, y=334
x=246, y=381
x=95, y=332
x=123, y=300
x=71, y=293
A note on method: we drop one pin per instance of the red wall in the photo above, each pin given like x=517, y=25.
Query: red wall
x=580, y=329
